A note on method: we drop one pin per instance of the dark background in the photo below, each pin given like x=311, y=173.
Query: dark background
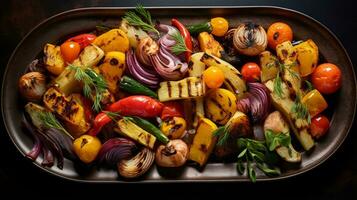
x=334, y=179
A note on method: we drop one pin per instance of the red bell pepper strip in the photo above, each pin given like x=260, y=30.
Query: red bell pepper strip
x=83, y=39
x=186, y=35
x=172, y=109
x=138, y=105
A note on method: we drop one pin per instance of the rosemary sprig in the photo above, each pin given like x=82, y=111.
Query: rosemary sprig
x=300, y=110
x=50, y=121
x=134, y=19
x=180, y=46
x=112, y=115
x=222, y=134
x=93, y=83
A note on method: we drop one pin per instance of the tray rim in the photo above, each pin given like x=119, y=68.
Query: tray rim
x=207, y=180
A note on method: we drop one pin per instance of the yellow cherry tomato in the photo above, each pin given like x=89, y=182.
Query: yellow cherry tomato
x=219, y=26
x=213, y=77
x=87, y=148
x=174, y=127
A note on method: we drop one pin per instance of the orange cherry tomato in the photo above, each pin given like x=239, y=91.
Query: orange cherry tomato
x=319, y=126
x=213, y=77
x=326, y=78
x=278, y=33
x=251, y=72
x=70, y=51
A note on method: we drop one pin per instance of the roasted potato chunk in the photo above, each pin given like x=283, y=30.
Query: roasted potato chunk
x=68, y=109
x=209, y=45
x=53, y=59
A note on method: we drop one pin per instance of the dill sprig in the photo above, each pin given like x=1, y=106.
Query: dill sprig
x=278, y=90
x=134, y=19
x=281, y=69
x=50, y=121
x=301, y=111
x=93, y=83
x=180, y=46
x=309, y=86
x=222, y=133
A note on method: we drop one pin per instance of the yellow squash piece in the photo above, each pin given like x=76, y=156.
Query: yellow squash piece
x=113, y=40
x=209, y=45
x=232, y=81
x=220, y=105
x=112, y=69
x=133, y=131
x=314, y=102
x=269, y=65
x=195, y=107
x=187, y=88
x=307, y=57
x=203, y=142
x=53, y=59
x=68, y=109
x=287, y=54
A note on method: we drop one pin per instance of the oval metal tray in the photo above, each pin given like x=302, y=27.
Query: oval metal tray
x=76, y=21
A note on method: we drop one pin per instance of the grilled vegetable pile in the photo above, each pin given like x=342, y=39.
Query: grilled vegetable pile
x=143, y=94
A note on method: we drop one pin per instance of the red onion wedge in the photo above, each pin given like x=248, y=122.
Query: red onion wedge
x=257, y=102
x=169, y=66
x=116, y=149
x=140, y=73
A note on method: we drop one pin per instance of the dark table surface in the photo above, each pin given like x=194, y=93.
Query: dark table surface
x=336, y=178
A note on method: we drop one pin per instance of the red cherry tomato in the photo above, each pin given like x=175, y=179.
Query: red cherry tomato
x=251, y=72
x=326, y=78
x=319, y=126
x=70, y=51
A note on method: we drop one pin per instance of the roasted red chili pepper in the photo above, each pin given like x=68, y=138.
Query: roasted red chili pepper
x=83, y=39
x=99, y=121
x=172, y=109
x=186, y=35
x=138, y=105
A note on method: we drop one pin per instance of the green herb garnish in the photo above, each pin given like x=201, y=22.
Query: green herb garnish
x=112, y=115
x=50, y=121
x=222, y=134
x=93, y=83
x=253, y=151
x=180, y=46
x=300, y=110
x=309, y=85
x=278, y=88
x=134, y=18
x=274, y=140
